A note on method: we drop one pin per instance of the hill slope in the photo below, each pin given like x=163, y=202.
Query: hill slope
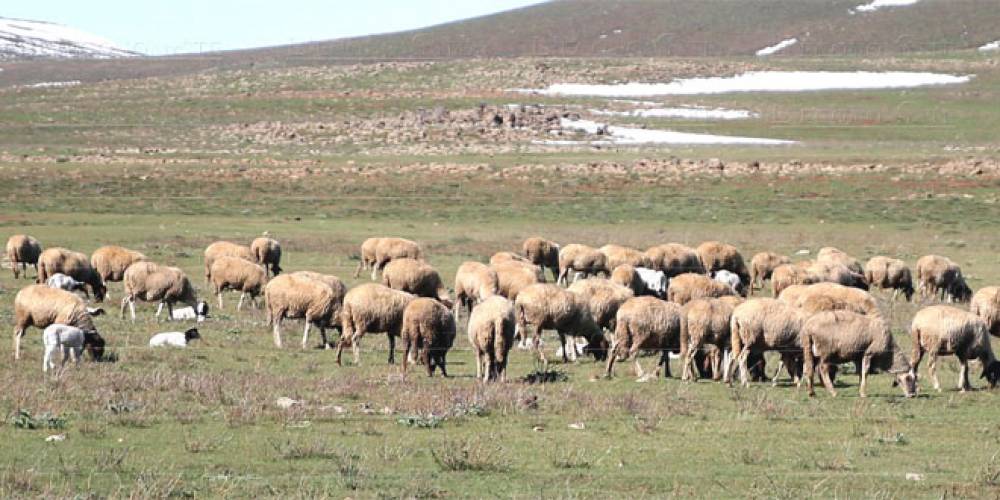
x=24, y=39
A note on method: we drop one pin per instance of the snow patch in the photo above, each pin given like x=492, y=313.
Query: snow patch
x=990, y=46
x=23, y=38
x=784, y=44
x=636, y=136
x=694, y=113
x=879, y=4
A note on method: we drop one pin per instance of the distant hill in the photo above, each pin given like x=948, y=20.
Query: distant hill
x=24, y=39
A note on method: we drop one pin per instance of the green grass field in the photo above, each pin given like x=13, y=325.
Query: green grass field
x=141, y=164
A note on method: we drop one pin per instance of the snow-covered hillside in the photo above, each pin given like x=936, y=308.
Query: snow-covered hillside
x=22, y=39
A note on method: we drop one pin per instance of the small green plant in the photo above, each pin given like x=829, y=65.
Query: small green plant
x=23, y=419
x=470, y=455
x=420, y=421
x=303, y=449
x=569, y=458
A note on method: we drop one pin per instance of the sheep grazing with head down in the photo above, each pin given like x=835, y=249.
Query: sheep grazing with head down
x=491, y=333
x=642, y=280
x=576, y=260
x=762, y=325
x=335, y=283
x=944, y=330
x=687, y=287
x=367, y=260
x=111, y=261
x=40, y=306
x=675, y=259
x=73, y=264
x=831, y=255
x=707, y=328
x=787, y=275
x=543, y=253
x=886, y=273
x=836, y=337
x=986, y=305
x=234, y=273
x=71, y=341
x=474, y=283
x=513, y=276
x=762, y=265
x=618, y=255
x=507, y=256
x=549, y=307
x=822, y=297
x=63, y=282
x=389, y=249
x=23, y=250
x=267, y=252
x=718, y=256
x=416, y=277
x=300, y=295
x=151, y=282
x=603, y=298
x=428, y=333
x=731, y=279
x=372, y=308
x=221, y=249
x=941, y=276
x=647, y=324
x=838, y=273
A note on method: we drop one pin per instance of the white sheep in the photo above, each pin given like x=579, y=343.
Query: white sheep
x=729, y=278
x=654, y=280
x=174, y=339
x=71, y=340
x=63, y=282
x=198, y=313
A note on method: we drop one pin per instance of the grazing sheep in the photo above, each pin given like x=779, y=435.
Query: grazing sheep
x=63, y=282
x=73, y=264
x=198, y=313
x=491, y=333
x=707, y=326
x=298, y=295
x=687, y=287
x=71, y=341
x=831, y=255
x=717, y=256
x=428, y=332
x=822, y=297
x=581, y=259
x=986, y=305
x=111, y=261
x=730, y=279
x=234, y=273
x=941, y=276
x=389, y=249
x=762, y=265
x=675, y=259
x=335, y=283
x=617, y=255
x=887, y=273
x=416, y=277
x=174, y=339
x=836, y=337
x=943, y=330
x=267, y=252
x=838, y=273
x=542, y=253
x=603, y=298
x=40, y=306
x=151, y=282
x=23, y=250
x=642, y=280
x=507, y=256
x=787, y=275
x=474, y=283
x=367, y=260
x=761, y=325
x=650, y=324
x=372, y=308
x=512, y=277
x=545, y=306
x=221, y=249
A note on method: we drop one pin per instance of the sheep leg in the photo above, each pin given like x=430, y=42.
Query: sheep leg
x=932, y=369
x=322, y=334
x=47, y=359
x=239, y=305
x=219, y=295
x=866, y=363
x=639, y=373
x=717, y=364
x=687, y=364
x=824, y=373
x=612, y=356
x=392, y=349
x=356, y=349
x=963, y=375
x=781, y=363
x=375, y=270
x=479, y=364
x=305, y=333
x=276, y=330
x=744, y=369
x=407, y=352
x=170, y=311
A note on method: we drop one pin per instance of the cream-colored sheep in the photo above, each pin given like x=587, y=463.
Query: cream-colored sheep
x=831, y=255
x=618, y=255
x=945, y=330
x=838, y=273
x=225, y=249
x=23, y=250
x=111, y=261
x=887, y=273
x=267, y=252
x=367, y=260
x=389, y=249
x=546, y=306
x=73, y=264
x=491, y=333
x=416, y=277
x=542, y=253
x=941, y=276
x=335, y=284
x=298, y=295
x=372, y=308
x=787, y=275
x=576, y=258
x=40, y=306
x=150, y=282
x=675, y=259
x=762, y=265
x=687, y=287
x=428, y=333
x=762, y=325
x=234, y=273
x=821, y=297
x=474, y=283
x=647, y=324
x=716, y=256
x=707, y=327
x=836, y=337
x=512, y=277
x=986, y=305
x=603, y=297
x=507, y=256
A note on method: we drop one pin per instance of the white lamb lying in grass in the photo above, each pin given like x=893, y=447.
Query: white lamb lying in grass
x=71, y=341
x=174, y=339
x=199, y=313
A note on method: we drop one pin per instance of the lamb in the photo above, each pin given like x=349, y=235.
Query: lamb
x=41, y=306
x=888, y=273
x=986, y=305
x=23, y=250
x=491, y=333
x=512, y=277
x=416, y=277
x=687, y=287
x=474, y=283
x=831, y=255
x=267, y=252
x=943, y=330
x=628, y=276
x=836, y=337
x=296, y=295
x=707, y=326
x=675, y=259
x=940, y=275
x=150, y=282
x=787, y=275
x=582, y=259
x=603, y=298
x=73, y=264
x=198, y=313
x=63, y=282
x=617, y=255
x=174, y=339
x=507, y=256
x=111, y=261
x=762, y=266
x=838, y=273
x=428, y=333
x=372, y=308
x=547, y=306
x=647, y=323
x=730, y=279
x=717, y=256
x=234, y=273
x=833, y=297
x=388, y=249
x=71, y=341
x=367, y=260
x=761, y=325
x=542, y=253
x=221, y=249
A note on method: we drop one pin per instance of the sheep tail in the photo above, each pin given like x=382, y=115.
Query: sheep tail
x=496, y=355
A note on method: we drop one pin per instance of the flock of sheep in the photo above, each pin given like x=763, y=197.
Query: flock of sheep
x=612, y=302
